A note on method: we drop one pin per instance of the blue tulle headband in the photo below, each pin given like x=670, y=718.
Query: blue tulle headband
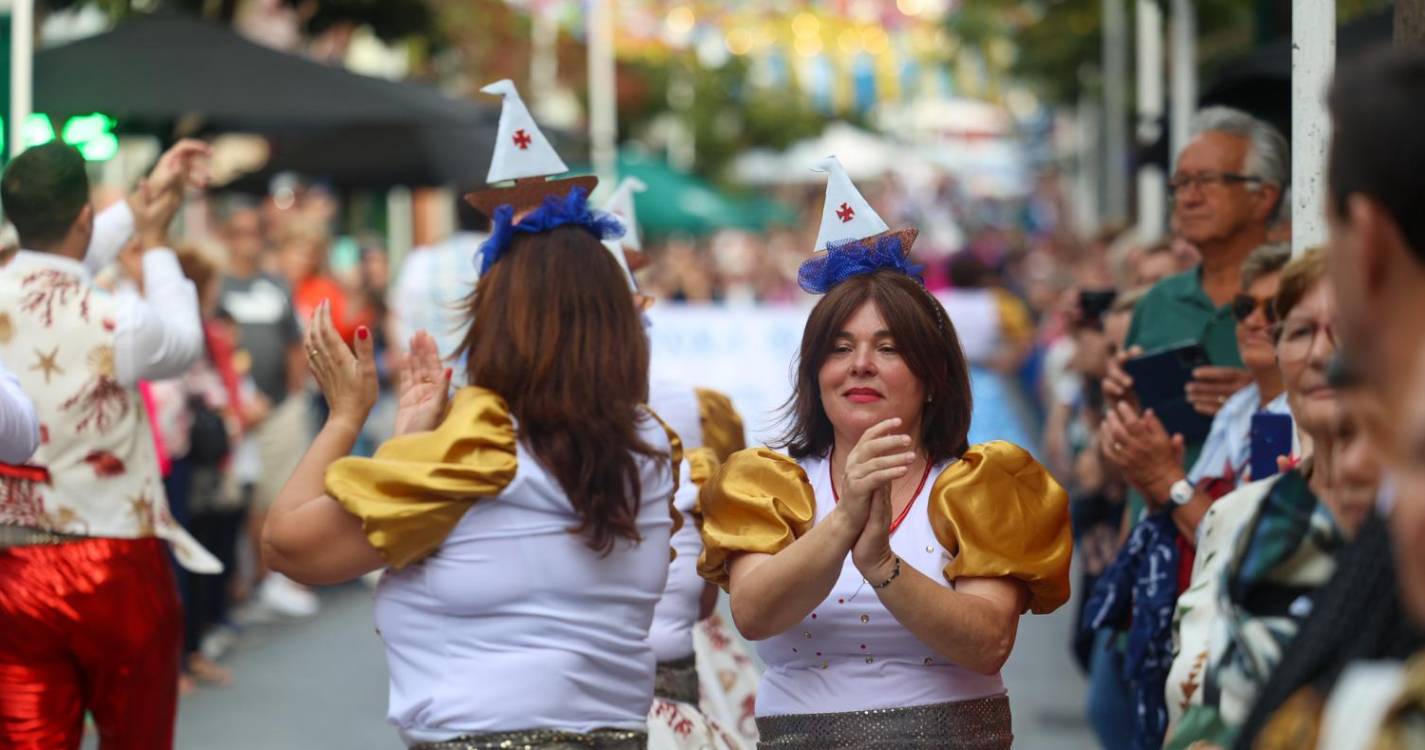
x=843, y=260
x=556, y=211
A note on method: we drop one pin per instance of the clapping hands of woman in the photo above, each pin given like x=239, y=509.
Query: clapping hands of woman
x=347, y=378
x=423, y=387
x=880, y=457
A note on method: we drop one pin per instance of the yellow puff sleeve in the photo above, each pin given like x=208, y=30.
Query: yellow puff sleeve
x=722, y=425
x=1001, y=515
x=418, y=486
x=759, y=501
x=702, y=465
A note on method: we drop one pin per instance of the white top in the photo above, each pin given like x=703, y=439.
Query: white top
x=850, y=653
x=677, y=612
x=678, y=609
x=432, y=285
x=19, y=428
x=515, y=623
x=1227, y=453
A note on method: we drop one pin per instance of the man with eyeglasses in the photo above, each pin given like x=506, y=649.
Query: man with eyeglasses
x=1227, y=190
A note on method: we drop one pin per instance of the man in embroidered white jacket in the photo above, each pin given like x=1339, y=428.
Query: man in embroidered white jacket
x=89, y=612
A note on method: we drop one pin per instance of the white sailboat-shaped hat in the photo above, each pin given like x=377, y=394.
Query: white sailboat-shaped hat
x=852, y=239
x=522, y=154
x=628, y=249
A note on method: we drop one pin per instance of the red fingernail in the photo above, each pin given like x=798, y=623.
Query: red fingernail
x=362, y=333
x=448, y=373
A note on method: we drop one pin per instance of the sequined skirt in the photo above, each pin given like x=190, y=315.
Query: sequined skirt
x=980, y=724
x=544, y=739
x=677, y=680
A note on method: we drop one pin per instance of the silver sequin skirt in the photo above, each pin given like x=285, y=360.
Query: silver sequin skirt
x=980, y=724
x=544, y=739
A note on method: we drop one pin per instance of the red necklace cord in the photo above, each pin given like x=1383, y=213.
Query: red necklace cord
x=836, y=496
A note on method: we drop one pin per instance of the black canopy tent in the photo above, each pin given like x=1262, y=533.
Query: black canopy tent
x=155, y=71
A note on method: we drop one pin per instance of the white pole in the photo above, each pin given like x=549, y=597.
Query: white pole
x=1313, y=58
x=22, y=60
x=603, y=115
x=1115, y=110
x=1184, y=75
x=1152, y=193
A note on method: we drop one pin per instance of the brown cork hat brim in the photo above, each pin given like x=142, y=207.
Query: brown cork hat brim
x=527, y=193
x=906, y=236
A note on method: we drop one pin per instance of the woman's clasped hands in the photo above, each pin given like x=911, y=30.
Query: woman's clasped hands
x=882, y=456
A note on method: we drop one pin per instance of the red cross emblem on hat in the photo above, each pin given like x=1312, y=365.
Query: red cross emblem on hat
x=845, y=213
x=522, y=139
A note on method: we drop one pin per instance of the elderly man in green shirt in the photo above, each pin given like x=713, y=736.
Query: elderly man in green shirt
x=1227, y=190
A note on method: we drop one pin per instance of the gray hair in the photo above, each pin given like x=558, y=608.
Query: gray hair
x=1266, y=259
x=1268, y=153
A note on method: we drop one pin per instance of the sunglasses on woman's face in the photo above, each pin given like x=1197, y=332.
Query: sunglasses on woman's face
x=1243, y=305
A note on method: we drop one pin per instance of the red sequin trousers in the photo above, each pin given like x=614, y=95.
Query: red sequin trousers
x=92, y=625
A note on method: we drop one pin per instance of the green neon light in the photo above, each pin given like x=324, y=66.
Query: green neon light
x=37, y=130
x=84, y=128
x=92, y=134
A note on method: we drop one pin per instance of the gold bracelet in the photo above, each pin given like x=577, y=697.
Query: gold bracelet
x=895, y=573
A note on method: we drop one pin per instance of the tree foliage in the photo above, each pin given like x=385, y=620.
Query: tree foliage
x=1057, y=38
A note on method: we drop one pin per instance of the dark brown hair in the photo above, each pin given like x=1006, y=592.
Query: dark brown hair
x=44, y=190
x=926, y=340
x=555, y=333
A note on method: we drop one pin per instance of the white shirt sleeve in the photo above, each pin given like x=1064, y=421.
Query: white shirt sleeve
x=161, y=334
x=19, y=428
x=112, y=229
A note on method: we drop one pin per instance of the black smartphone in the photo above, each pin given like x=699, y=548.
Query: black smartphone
x=1093, y=303
x=1271, y=439
x=1160, y=380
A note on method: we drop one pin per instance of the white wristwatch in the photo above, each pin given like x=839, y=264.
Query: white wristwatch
x=1181, y=493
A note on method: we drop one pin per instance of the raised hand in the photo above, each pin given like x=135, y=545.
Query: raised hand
x=1118, y=384
x=1138, y=444
x=881, y=456
x=347, y=378
x=185, y=163
x=422, y=388
x=153, y=213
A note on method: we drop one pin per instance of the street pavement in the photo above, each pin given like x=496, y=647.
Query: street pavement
x=321, y=683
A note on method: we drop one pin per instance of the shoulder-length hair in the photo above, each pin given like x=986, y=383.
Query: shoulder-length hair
x=924, y=337
x=555, y=333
